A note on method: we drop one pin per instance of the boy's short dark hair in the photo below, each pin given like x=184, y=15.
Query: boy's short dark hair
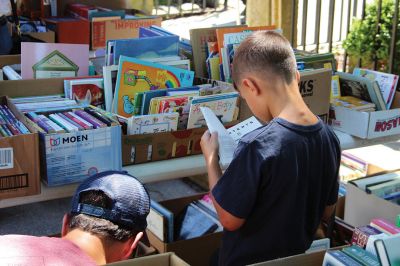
x=99, y=226
x=265, y=52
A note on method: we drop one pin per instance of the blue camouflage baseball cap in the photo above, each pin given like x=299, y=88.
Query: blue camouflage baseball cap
x=130, y=200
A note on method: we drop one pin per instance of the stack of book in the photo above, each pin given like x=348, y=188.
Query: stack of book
x=385, y=186
x=351, y=167
x=9, y=124
x=374, y=244
x=54, y=114
x=364, y=90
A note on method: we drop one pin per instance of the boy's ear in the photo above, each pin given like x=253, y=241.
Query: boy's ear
x=251, y=85
x=65, y=226
x=297, y=76
x=131, y=245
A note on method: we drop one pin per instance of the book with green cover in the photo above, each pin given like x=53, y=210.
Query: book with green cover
x=362, y=256
x=385, y=188
x=388, y=250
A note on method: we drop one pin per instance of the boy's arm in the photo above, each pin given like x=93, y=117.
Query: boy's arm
x=209, y=146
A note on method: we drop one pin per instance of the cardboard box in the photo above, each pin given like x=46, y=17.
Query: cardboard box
x=70, y=30
x=6, y=60
x=165, y=259
x=49, y=36
x=196, y=251
x=72, y=157
x=312, y=259
x=31, y=87
x=315, y=89
x=119, y=29
x=19, y=162
x=361, y=208
x=145, y=6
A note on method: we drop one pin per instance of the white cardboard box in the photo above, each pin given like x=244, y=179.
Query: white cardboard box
x=366, y=125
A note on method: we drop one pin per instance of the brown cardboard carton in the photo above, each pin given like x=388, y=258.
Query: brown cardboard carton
x=102, y=31
x=19, y=162
x=196, y=251
x=361, y=208
x=6, y=60
x=34, y=87
x=165, y=259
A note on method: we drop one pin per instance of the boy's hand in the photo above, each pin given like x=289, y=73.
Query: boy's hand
x=209, y=146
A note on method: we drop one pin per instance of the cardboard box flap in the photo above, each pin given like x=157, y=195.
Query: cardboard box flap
x=6, y=60
x=31, y=87
x=361, y=208
x=165, y=259
x=350, y=121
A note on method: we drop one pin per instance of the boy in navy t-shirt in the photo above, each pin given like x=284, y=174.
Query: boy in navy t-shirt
x=283, y=179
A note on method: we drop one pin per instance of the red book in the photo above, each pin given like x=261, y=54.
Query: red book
x=362, y=233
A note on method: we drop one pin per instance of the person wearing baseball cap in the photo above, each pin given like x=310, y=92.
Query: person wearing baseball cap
x=105, y=223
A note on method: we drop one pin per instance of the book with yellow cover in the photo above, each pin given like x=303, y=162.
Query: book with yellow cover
x=353, y=103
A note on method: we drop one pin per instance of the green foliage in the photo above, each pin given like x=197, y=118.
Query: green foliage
x=363, y=40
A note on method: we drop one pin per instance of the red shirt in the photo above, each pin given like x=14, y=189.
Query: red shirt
x=44, y=251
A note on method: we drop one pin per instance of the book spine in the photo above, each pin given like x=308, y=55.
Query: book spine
x=3, y=132
x=90, y=126
x=385, y=226
x=62, y=123
x=18, y=124
x=95, y=122
x=80, y=128
x=7, y=131
x=55, y=128
x=362, y=256
x=382, y=191
x=77, y=121
x=361, y=235
x=99, y=116
x=338, y=258
x=13, y=129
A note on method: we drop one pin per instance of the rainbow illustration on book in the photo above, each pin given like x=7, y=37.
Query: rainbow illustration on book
x=136, y=76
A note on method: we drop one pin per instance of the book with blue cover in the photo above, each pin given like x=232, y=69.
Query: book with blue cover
x=148, y=32
x=148, y=47
x=135, y=75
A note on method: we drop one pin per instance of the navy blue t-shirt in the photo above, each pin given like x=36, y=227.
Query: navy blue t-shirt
x=281, y=179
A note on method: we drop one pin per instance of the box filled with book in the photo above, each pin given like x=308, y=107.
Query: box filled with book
x=19, y=154
x=171, y=228
x=76, y=140
x=366, y=107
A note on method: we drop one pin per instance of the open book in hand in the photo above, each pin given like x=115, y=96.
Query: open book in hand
x=228, y=139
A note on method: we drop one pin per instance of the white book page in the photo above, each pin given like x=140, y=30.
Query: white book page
x=244, y=127
x=227, y=145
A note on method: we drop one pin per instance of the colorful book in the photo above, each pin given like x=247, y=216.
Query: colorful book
x=88, y=91
x=353, y=103
x=136, y=75
x=150, y=47
x=388, y=250
x=223, y=105
x=110, y=80
x=362, y=233
x=362, y=256
x=147, y=124
x=387, y=83
x=385, y=226
x=361, y=88
x=54, y=60
x=335, y=89
x=338, y=258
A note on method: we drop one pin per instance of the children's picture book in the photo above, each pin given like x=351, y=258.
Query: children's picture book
x=54, y=60
x=223, y=105
x=88, y=91
x=228, y=139
x=135, y=75
x=222, y=31
x=387, y=82
x=146, y=124
x=148, y=47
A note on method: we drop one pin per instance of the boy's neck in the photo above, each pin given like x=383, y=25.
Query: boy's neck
x=289, y=105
